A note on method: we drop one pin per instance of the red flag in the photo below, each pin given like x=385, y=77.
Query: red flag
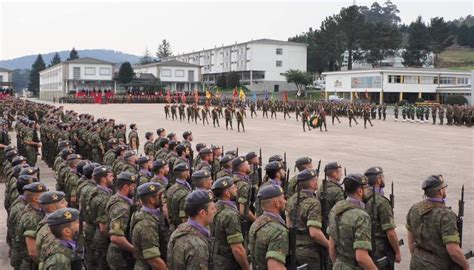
x=183, y=98
x=235, y=94
x=196, y=96
x=286, y=97
x=168, y=96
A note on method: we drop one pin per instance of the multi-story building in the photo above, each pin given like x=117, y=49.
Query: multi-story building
x=6, y=80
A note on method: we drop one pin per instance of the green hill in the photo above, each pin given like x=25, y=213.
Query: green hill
x=457, y=59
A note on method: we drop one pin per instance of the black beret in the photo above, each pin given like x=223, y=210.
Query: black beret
x=10, y=154
x=237, y=161
x=66, y=152
x=332, y=166
x=306, y=175
x=274, y=165
x=17, y=160
x=199, y=197
x=51, y=197
x=73, y=157
x=205, y=151
x=358, y=179
x=269, y=191
x=144, y=159
x=148, y=188
x=88, y=170
x=26, y=179
x=128, y=154
x=159, y=130
x=35, y=187
x=158, y=164
x=303, y=161
x=63, y=216
x=223, y=183
x=180, y=147
x=201, y=174
x=64, y=143
x=374, y=171
x=29, y=171
x=226, y=159
x=181, y=167
x=173, y=143
x=231, y=152
x=81, y=165
x=200, y=146
x=250, y=155
x=163, y=141
x=119, y=148
x=127, y=177
x=148, y=134
x=101, y=171
x=187, y=133
x=170, y=135
x=17, y=169
x=275, y=158
x=9, y=148
x=433, y=181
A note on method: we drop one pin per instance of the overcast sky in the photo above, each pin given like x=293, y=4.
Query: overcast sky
x=42, y=27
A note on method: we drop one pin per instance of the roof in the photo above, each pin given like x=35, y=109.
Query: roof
x=274, y=41
x=171, y=63
x=88, y=60
x=5, y=70
x=145, y=76
x=409, y=70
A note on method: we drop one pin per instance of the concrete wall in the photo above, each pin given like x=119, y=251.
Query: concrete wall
x=178, y=74
x=96, y=68
x=51, y=79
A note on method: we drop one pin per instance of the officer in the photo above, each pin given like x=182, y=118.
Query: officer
x=148, y=147
x=176, y=195
x=148, y=231
x=349, y=227
x=228, y=117
x=206, y=159
x=386, y=239
x=276, y=176
x=302, y=163
x=145, y=164
x=433, y=237
x=189, y=244
x=334, y=191
x=310, y=239
x=268, y=236
x=226, y=166
x=239, y=116
x=160, y=169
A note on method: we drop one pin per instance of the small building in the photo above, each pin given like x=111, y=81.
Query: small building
x=173, y=75
x=390, y=85
x=70, y=77
x=6, y=79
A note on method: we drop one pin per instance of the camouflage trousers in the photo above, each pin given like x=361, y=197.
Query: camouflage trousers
x=100, y=243
x=309, y=256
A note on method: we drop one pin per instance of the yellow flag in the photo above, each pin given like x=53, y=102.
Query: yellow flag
x=218, y=94
x=208, y=94
x=241, y=94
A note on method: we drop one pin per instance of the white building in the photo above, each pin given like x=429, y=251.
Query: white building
x=174, y=75
x=261, y=63
x=395, y=61
x=76, y=75
x=6, y=78
x=391, y=85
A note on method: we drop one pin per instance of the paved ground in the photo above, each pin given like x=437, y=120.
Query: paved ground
x=407, y=152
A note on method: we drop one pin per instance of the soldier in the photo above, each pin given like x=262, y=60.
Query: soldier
x=189, y=113
x=265, y=109
x=268, y=236
x=367, y=117
x=71, y=179
x=349, y=227
x=188, y=138
x=4, y=142
x=120, y=250
x=206, y=159
x=273, y=110
x=32, y=144
x=148, y=147
x=109, y=156
x=350, y=115
x=197, y=159
x=441, y=114
x=176, y=195
x=215, y=164
x=64, y=225
x=164, y=149
x=241, y=169
x=215, y=117
x=167, y=110
x=130, y=165
x=333, y=111
x=145, y=165
x=202, y=180
x=434, y=113
x=305, y=118
x=395, y=111
x=334, y=191
x=96, y=145
x=119, y=162
x=276, y=176
x=384, y=111
x=161, y=132
x=253, y=111
x=160, y=170
x=228, y=117
x=386, y=239
x=204, y=116
x=226, y=166
x=133, y=138
x=302, y=163
x=182, y=117
x=433, y=237
x=148, y=232
x=239, y=116
x=310, y=239
x=189, y=244
x=229, y=250
x=173, y=111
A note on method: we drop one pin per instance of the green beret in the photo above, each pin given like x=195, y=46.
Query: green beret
x=127, y=177
x=237, y=161
x=51, y=197
x=273, y=166
x=35, y=187
x=199, y=197
x=181, y=167
x=63, y=216
x=158, y=164
x=332, y=166
x=201, y=174
x=223, y=183
x=306, y=175
x=143, y=160
x=373, y=171
x=148, y=188
x=434, y=181
x=226, y=159
x=303, y=161
x=250, y=155
x=275, y=158
x=358, y=179
x=269, y=191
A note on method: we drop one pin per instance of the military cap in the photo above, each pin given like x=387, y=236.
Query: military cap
x=64, y=143
x=81, y=165
x=10, y=154
x=215, y=147
x=332, y=166
x=275, y=158
x=163, y=141
x=159, y=130
x=88, y=170
x=231, y=152
x=200, y=146
x=73, y=157
x=144, y=159
x=133, y=125
x=373, y=171
x=180, y=147
x=63, y=216
x=17, y=160
x=148, y=188
x=226, y=159
x=250, y=155
x=173, y=143
x=269, y=191
x=222, y=183
x=148, y=134
x=434, y=181
x=201, y=174
x=119, y=148
x=101, y=171
x=187, y=133
x=158, y=164
x=112, y=141
x=128, y=154
x=181, y=167
x=303, y=161
x=306, y=175
x=127, y=177
x=170, y=135
x=66, y=152
x=237, y=161
x=274, y=165
x=35, y=187
x=9, y=148
x=29, y=171
x=205, y=151
x=51, y=197
x=17, y=169
x=199, y=197
x=359, y=179
x=26, y=179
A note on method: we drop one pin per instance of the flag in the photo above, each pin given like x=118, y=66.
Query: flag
x=183, y=98
x=241, y=94
x=285, y=96
x=218, y=94
x=266, y=94
x=196, y=96
x=366, y=94
x=254, y=96
x=168, y=96
x=208, y=94
x=298, y=94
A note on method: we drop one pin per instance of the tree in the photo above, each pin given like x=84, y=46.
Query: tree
x=299, y=78
x=456, y=100
x=221, y=81
x=351, y=24
x=146, y=58
x=232, y=79
x=416, y=52
x=73, y=54
x=56, y=60
x=37, y=66
x=164, y=50
x=440, y=37
x=463, y=35
x=20, y=78
x=126, y=73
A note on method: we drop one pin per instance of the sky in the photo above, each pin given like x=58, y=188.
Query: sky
x=32, y=27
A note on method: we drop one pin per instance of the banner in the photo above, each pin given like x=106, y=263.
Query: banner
x=241, y=94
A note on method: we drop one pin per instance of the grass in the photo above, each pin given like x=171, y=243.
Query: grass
x=457, y=59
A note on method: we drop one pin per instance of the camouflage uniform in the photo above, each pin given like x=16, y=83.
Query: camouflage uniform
x=16, y=210
x=96, y=145
x=27, y=226
x=334, y=193
x=149, y=149
x=44, y=239
x=95, y=214
x=109, y=158
x=176, y=195
x=58, y=256
x=118, y=210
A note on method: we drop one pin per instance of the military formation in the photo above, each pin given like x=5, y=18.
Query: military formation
x=185, y=206
x=455, y=115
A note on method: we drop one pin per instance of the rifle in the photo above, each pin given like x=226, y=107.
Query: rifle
x=222, y=153
x=345, y=171
x=392, y=198
x=259, y=169
x=76, y=262
x=245, y=223
x=325, y=213
x=372, y=227
x=237, y=151
x=319, y=167
x=284, y=161
x=133, y=208
x=191, y=159
x=293, y=232
x=460, y=219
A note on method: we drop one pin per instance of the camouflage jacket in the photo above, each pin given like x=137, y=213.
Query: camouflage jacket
x=27, y=226
x=175, y=197
x=57, y=257
x=334, y=193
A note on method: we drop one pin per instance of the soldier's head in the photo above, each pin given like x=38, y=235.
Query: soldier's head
x=226, y=161
x=103, y=176
x=133, y=126
x=357, y=186
x=73, y=160
x=272, y=199
x=81, y=165
x=240, y=165
x=216, y=150
x=149, y=136
x=252, y=159
x=160, y=167
x=172, y=145
x=150, y=195
x=200, y=207
x=52, y=200
x=308, y=179
x=145, y=163
x=164, y=142
x=182, y=150
x=225, y=189
x=275, y=170
x=206, y=154
x=161, y=132
x=130, y=157
x=89, y=169
x=24, y=180
x=33, y=191
x=112, y=143
x=188, y=135
x=126, y=184
x=171, y=136
x=375, y=176
x=64, y=223
x=304, y=163
x=435, y=186
x=334, y=171
x=202, y=179
x=181, y=171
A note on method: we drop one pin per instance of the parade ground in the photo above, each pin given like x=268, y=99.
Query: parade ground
x=408, y=153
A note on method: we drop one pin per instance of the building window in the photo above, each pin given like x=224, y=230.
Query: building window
x=279, y=51
x=447, y=80
x=179, y=73
x=89, y=71
x=463, y=81
x=427, y=80
x=104, y=71
x=394, y=79
x=279, y=63
x=410, y=79
x=76, y=73
x=1, y=78
x=366, y=82
x=166, y=73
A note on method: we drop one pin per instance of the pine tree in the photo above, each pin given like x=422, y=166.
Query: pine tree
x=416, y=52
x=164, y=50
x=73, y=54
x=146, y=59
x=125, y=73
x=351, y=22
x=440, y=37
x=37, y=66
x=56, y=60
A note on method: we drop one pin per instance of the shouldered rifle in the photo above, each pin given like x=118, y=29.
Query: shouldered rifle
x=191, y=160
x=284, y=161
x=245, y=221
x=372, y=227
x=293, y=232
x=222, y=149
x=285, y=182
x=319, y=167
x=460, y=219
x=259, y=169
x=345, y=172
x=133, y=208
x=392, y=198
x=324, y=204
x=237, y=151
x=76, y=262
